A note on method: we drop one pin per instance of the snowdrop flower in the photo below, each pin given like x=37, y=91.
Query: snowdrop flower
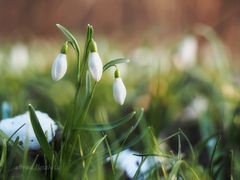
x=119, y=90
x=95, y=62
x=26, y=132
x=187, y=53
x=59, y=66
x=19, y=57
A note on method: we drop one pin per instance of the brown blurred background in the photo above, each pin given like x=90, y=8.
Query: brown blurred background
x=123, y=19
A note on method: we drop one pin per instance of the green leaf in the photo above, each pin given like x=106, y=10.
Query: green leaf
x=92, y=152
x=152, y=155
x=109, y=126
x=114, y=62
x=40, y=134
x=125, y=135
x=212, y=156
x=189, y=143
x=4, y=155
x=174, y=172
x=70, y=37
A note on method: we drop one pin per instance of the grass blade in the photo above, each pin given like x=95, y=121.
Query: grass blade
x=189, y=143
x=3, y=157
x=212, y=156
x=92, y=152
x=174, y=172
x=109, y=126
x=40, y=134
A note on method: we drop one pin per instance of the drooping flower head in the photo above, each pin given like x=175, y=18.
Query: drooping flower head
x=119, y=90
x=59, y=66
x=95, y=62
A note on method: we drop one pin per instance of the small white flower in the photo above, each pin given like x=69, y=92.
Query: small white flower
x=59, y=67
x=26, y=132
x=19, y=58
x=186, y=56
x=95, y=65
x=95, y=62
x=119, y=90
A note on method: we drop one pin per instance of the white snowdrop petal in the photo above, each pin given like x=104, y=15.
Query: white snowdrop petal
x=95, y=65
x=59, y=67
x=119, y=91
x=26, y=133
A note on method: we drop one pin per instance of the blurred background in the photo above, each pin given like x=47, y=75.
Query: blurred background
x=184, y=68
x=154, y=20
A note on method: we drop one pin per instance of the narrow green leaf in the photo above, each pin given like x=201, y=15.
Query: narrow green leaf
x=139, y=118
x=169, y=137
x=212, y=156
x=92, y=152
x=122, y=139
x=174, y=172
x=110, y=155
x=151, y=155
x=231, y=158
x=189, y=143
x=70, y=37
x=114, y=62
x=109, y=126
x=40, y=134
x=30, y=171
x=94, y=148
x=3, y=155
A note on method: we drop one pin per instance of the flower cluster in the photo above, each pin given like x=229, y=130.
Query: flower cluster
x=59, y=68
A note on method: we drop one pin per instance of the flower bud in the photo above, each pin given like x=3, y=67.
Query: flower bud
x=95, y=62
x=119, y=90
